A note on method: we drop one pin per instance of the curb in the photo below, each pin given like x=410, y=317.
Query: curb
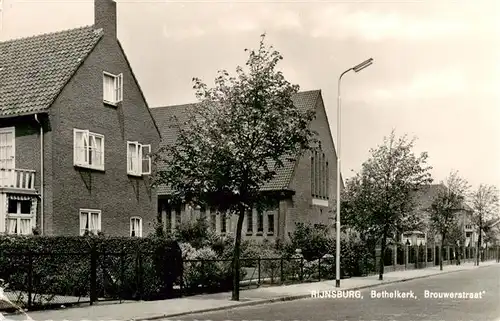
x=290, y=297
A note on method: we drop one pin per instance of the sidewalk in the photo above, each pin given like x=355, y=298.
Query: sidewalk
x=144, y=310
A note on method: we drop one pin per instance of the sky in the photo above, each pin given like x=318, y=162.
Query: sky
x=435, y=76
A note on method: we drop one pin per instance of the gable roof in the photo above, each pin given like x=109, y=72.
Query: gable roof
x=305, y=100
x=34, y=70
x=427, y=193
x=127, y=61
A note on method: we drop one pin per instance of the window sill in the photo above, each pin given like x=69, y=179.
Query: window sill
x=134, y=175
x=99, y=169
x=259, y=233
x=249, y=234
x=320, y=202
x=270, y=233
x=110, y=103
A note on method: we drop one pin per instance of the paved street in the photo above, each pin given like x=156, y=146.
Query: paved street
x=484, y=282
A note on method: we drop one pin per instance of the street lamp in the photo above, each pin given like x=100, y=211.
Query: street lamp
x=356, y=68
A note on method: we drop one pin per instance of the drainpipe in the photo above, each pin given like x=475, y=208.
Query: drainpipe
x=41, y=174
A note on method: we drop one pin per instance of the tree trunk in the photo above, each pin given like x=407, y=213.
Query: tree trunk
x=478, y=254
x=441, y=254
x=236, y=256
x=382, y=253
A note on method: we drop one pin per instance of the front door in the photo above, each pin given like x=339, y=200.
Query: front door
x=7, y=156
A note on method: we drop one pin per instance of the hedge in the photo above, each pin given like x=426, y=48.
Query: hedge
x=125, y=268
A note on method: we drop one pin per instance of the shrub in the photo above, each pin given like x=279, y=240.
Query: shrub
x=61, y=265
x=195, y=232
x=270, y=263
x=205, y=270
x=314, y=241
x=357, y=256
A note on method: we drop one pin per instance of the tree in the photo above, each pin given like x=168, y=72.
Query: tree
x=456, y=237
x=484, y=203
x=492, y=231
x=378, y=200
x=243, y=130
x=445, y=209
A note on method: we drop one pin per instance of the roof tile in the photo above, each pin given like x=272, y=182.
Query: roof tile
x=34, y=70
x=305, y=100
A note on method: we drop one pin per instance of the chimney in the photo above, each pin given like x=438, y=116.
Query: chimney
x=105, y=16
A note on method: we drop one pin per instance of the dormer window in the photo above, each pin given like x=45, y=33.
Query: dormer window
x=112, y=88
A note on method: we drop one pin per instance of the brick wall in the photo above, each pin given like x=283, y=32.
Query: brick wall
x=301, y=208
x=112, y=191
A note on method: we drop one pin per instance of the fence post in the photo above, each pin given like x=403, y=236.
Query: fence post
x=93, y=275
x=258, y=269
x=302, y=269
x=319, y=269
x=406, y=257
x=30, y=278
x=139, y=274
x=122, y=275
x=281, y=271
x=426, y=256
x=416, y=256
x=203, y=285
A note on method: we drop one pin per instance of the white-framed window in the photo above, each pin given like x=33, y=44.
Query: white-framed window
x=7, y=156
x=20, y=218
x=112, y=88
x=88, y=149
x=138, y=159
x=136, y=226
x=90, y=220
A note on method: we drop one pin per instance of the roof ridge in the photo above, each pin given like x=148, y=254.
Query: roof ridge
x=172, y=106
x=195, y=103
x=308, y=91
x=47, y=34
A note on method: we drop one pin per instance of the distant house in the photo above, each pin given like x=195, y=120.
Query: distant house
x=492, y=232
x=75, y=133
x=424, y=199
x=307, y=186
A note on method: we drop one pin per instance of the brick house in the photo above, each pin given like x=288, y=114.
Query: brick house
x=306, y=187
x=75, y=130
x=424, y=198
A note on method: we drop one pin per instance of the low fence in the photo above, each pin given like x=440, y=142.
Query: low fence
x=48, y=280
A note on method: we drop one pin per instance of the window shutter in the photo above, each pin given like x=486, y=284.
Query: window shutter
x=134, y=158
x=76, y=147
x=118, y=84
x=85, y=144
x=146, y=159
x=80, y=144
x=92, y=150
x=100, y=150
x=108, y=88
x=120, y=92
x=130, y=155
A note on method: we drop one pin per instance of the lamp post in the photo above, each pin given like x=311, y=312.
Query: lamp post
x=356, y=68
